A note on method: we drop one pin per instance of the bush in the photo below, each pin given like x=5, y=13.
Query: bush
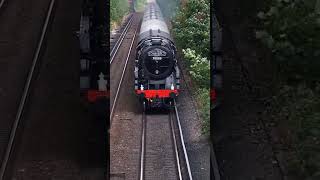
x=118, y=9
x=203, y=99
x=290, y=28
x=298, y=109
x=191, y=30
x=199, y=67
x=191, y=27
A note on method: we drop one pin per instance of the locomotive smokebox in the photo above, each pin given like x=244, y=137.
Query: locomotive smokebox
x=157, y=61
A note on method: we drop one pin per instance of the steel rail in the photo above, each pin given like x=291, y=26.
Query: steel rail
x=120, y=40
x=25, y=92
x=182, y=141
x=143, y=139
x=175, y=145
x=122, y=76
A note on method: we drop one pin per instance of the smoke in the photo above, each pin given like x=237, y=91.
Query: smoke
x=169, y=8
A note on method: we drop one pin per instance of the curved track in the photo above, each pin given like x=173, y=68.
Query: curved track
x=26, y=90
x=175, y=163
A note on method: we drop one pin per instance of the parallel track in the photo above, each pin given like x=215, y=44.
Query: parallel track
x=123, y=72
x=27, y=87
x=117, y=45
x=181, y=160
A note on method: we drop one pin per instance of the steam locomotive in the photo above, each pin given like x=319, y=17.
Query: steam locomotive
x=157, y=76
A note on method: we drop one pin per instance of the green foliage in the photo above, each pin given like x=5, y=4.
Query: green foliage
x=199, y=67
x=290, y=28
x=118, y=9
x=299, y=109
x=204, y=102
x=139, y=5
x=191, y=29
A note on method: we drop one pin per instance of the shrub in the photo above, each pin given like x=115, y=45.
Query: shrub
x=118, y=9
x=290, y=28
x=199, y=67
x=203, y=99
x=191, y=30
x=192, y=27
x=298, y=108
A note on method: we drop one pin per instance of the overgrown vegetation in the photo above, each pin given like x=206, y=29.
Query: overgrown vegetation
x=290, y=28
x=296, y=111
x=191, y=30
x=118, y=9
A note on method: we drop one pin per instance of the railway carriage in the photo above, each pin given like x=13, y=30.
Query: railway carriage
x=157, y=76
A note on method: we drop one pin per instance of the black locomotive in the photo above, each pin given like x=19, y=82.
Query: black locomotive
x=157, y=76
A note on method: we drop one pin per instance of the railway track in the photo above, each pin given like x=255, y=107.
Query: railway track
x=160, y=157
x=127, y=56
x=115, y=46
x=27, y=87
